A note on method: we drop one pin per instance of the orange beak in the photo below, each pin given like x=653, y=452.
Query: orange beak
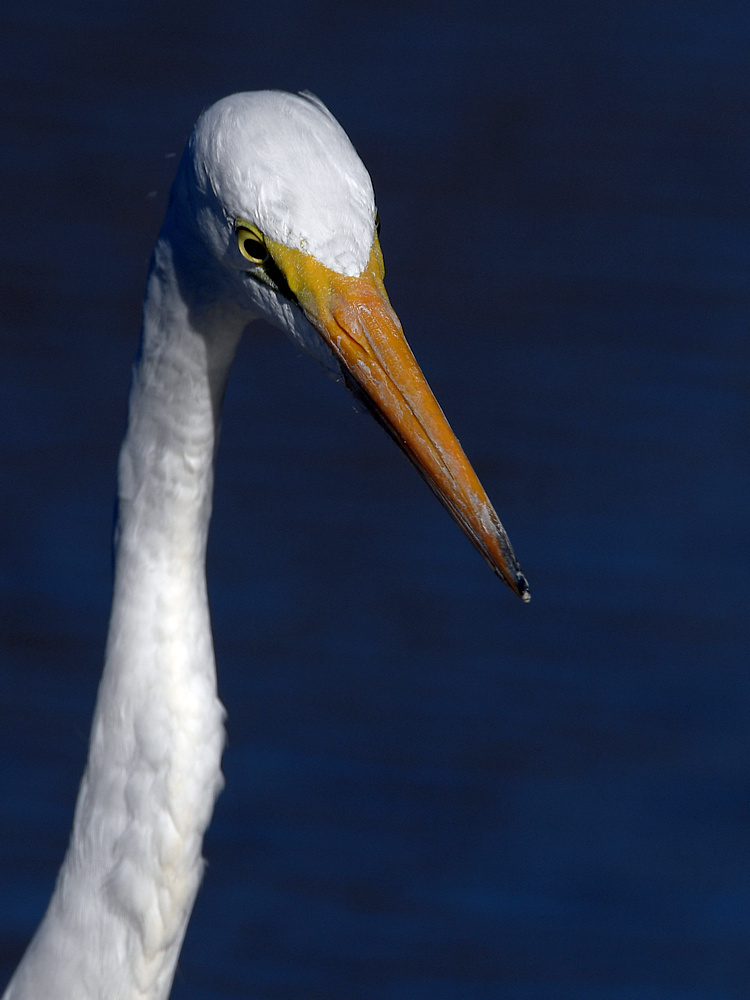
x=357, y=322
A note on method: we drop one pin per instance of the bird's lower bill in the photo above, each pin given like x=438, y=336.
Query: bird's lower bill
x=356, y=320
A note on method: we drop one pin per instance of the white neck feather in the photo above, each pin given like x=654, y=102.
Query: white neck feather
x=133, y=866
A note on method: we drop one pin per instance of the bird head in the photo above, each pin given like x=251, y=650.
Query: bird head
x=273, y=199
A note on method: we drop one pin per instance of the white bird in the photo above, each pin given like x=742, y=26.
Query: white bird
x=271, y=215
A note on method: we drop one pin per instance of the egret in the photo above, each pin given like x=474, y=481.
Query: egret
x=271, y=215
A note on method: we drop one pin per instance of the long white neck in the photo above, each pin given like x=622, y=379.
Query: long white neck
x=116, y=921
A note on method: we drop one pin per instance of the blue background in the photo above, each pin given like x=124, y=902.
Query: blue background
x=433, y=791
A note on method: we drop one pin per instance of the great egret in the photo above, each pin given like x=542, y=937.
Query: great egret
x=271, y=215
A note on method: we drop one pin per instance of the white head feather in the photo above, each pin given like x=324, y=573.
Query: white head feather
x=283, y=162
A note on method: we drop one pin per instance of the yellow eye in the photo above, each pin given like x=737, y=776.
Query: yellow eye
x=250, y=242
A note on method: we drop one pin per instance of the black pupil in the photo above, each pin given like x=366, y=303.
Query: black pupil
x=254, y=248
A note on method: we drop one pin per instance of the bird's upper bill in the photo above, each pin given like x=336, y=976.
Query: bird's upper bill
x=356, y=321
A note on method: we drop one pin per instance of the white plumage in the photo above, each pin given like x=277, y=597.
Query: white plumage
x=271, y=215
x=330, y=216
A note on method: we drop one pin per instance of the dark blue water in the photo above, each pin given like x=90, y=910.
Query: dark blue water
x=433, y=791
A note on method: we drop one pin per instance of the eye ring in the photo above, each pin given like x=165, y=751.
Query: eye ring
x=250, y=243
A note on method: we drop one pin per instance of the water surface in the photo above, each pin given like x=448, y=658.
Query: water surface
x=433, y=791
